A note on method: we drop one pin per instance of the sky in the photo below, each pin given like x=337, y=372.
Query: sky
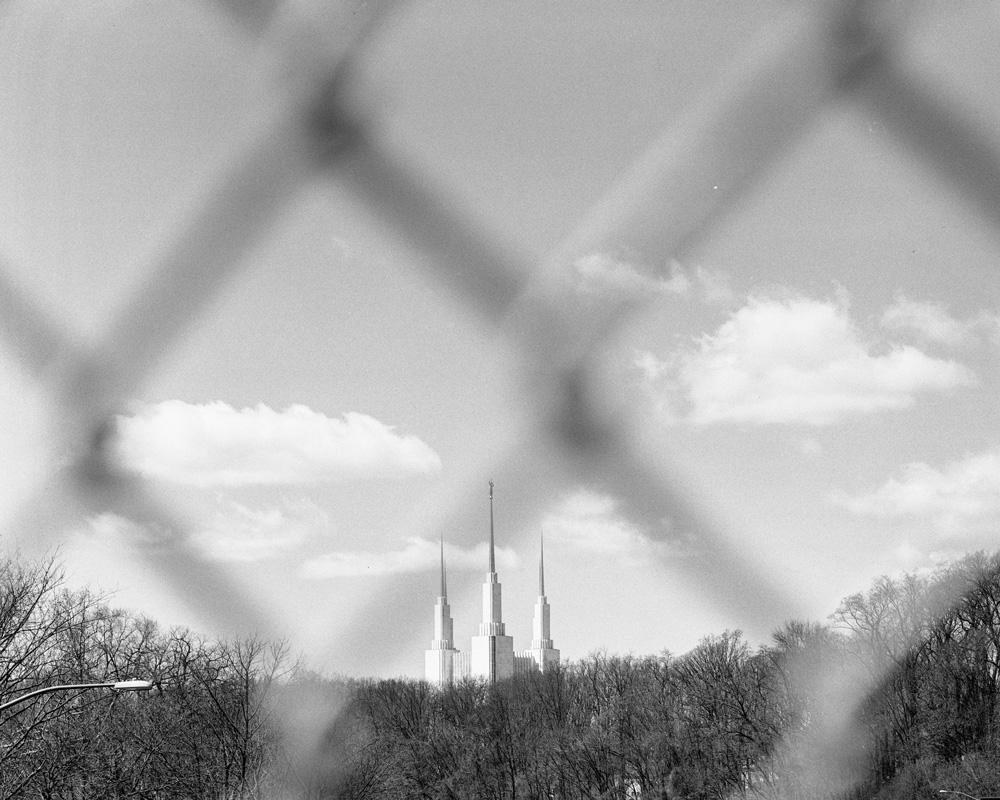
x=817, y=373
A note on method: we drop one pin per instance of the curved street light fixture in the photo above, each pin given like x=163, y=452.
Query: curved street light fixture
x=963, y=794
x=117, y=686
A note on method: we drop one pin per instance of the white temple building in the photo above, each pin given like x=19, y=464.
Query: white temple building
x=492, y=656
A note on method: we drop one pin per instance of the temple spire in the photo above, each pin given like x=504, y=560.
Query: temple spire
x=444, y=575
x=541, y=563
x=542, y=650
x=493, y=563
x=439, y=659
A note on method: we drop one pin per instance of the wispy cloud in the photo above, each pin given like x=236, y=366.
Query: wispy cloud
x=233, y=532
x=715, y=287
x=418, y=555
x=217, y=445
x=591, y=522
x=810, y=446
x=931, y=322
x=960, y=499
x=798, y=360
x=236, y=532
x=603, y=275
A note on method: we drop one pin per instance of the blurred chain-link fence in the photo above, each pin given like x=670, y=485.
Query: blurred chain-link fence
x=324, y=128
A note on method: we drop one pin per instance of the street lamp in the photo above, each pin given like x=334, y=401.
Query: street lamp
x=118, y=686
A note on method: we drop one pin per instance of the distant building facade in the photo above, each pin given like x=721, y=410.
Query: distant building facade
x=491, y=656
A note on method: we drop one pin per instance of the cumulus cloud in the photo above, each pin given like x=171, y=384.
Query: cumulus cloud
x=217, y=445
x=418, y=555
x=931, y=322
x=590, y=522
x=799, y=360
x=961, y=498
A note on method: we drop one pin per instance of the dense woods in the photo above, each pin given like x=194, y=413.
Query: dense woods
x=240, y=719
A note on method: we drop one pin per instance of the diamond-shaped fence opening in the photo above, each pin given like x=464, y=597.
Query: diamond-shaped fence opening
x=318, y=122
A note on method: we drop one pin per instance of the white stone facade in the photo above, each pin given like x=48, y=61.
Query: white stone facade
x=439, y=660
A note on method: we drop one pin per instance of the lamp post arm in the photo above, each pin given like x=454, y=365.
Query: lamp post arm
x=47, y=689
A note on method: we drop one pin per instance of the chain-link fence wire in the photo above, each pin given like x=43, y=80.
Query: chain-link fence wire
x=574, y=424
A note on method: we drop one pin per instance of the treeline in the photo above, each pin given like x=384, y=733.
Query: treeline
x=920, y=657
x=239, y=719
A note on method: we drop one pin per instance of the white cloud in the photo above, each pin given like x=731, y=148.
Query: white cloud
x=590, y=522
x=960, y=499
x=932, y=323
x=419, y=555
x=802, y=361
x=216, y=445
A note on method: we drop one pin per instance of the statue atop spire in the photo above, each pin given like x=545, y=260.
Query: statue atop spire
x=493, y=563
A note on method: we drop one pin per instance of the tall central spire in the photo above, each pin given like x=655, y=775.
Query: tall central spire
x=493, y=562
x=444, y=575
x=541, y=563
x=492, y=654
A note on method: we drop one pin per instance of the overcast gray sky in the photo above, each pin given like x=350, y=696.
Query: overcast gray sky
x=820, y=370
